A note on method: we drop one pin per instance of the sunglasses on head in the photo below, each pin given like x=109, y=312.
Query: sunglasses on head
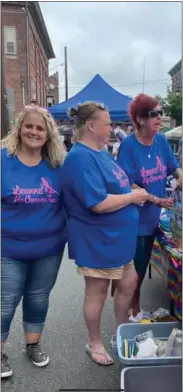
x=100, y=106
x=155, y=113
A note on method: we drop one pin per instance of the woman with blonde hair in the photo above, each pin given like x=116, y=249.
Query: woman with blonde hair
x=32, y=228
x=102, y=221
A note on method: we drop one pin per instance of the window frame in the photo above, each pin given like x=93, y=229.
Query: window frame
x=6, y=52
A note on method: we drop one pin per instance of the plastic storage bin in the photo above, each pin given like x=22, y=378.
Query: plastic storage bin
x=160, y=330
x=113, y=344
x=152, y=379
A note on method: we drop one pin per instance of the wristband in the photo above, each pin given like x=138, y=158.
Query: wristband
x=156, y=201
x=153, y=199
x=159, y=203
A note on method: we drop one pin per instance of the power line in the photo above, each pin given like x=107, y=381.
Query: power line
x=61, y=64
x=125, y=85
x=61, y=78
x=114, y=85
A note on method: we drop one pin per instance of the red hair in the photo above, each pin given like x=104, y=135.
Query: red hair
x=140, y=107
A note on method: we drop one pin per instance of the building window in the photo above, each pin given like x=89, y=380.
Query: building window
x=10, y=40
x=33, y=89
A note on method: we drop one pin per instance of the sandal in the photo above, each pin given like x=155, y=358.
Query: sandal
x=106, y=360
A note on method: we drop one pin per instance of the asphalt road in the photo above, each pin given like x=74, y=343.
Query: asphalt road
x=64, y=340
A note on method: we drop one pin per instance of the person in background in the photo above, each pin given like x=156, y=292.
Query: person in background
x=102, y=220
x=67, y=142
x=118, y=130
x=180, y=152
x=129, y=130
x=115, y=148
x=32, y=227
x=105, y=148
x=147, y=159
x=120, y=136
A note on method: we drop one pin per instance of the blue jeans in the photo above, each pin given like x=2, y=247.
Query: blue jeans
x=32, y=280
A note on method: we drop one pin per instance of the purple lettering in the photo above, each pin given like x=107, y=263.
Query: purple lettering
x=44, y=189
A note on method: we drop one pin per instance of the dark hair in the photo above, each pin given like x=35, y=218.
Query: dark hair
x=140, y=107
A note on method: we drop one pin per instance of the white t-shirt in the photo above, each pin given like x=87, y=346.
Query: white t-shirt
x=105, y=147
x=115, y=147
x=119, y=133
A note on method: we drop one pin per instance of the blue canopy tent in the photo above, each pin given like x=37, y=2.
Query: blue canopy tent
x=97, y=90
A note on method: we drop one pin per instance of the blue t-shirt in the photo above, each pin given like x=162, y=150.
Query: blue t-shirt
x=105, y=240
x=32, y=214
x=148, y=167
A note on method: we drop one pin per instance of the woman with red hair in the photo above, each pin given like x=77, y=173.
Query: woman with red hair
x=147, y=159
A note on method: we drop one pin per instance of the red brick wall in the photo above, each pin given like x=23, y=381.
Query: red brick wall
x=54, y=79
x=38, y=64
x=31, y=66
x=15, y=66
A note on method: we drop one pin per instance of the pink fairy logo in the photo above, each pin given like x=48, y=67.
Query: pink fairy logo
x=47, y=187
x=155, y=174
x=44, y=194
x=121, y=176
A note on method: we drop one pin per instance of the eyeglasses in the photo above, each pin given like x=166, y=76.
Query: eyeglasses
x=100, y=106
x=155, y=113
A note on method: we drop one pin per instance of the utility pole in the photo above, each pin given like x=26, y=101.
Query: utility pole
x=143, y=79
x=66, y=73
x=4, y=110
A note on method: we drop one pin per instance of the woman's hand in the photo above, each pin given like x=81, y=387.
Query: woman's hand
x=139, y=196
x=167, y=203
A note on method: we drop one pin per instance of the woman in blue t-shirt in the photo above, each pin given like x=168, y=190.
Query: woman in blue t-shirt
x=32, y=228
x=102, y=221
x=147, y=159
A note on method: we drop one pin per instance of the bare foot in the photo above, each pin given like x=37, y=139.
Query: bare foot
x=98, y=354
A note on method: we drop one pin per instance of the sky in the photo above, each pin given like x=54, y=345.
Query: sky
x=122, y=41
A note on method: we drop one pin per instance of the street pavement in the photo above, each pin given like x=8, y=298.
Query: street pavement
x=65, y=337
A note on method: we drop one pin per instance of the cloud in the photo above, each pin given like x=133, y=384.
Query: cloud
x=112, y=39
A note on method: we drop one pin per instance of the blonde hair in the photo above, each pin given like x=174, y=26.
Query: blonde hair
x=82, y=113
x=53, y=151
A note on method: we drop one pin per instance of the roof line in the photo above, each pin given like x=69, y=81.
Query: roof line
x=41, y=27
x=174, y=67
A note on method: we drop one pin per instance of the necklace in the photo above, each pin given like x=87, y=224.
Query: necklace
x=149, y=154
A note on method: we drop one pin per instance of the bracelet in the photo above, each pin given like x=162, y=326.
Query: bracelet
x=159, y=202
x=156, y=200
x=153, y=199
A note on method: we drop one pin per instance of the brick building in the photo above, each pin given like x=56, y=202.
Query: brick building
x=176, y=75
x=53, y=88
x=26, y=52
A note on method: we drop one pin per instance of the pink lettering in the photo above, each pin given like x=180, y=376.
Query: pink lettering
x=120, y=176
x=123, y=183
x=148, y=180
x=31, y=200
x=26, y=195
x=148, y=174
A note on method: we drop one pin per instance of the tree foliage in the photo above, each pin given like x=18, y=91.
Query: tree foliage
x=172, y=105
